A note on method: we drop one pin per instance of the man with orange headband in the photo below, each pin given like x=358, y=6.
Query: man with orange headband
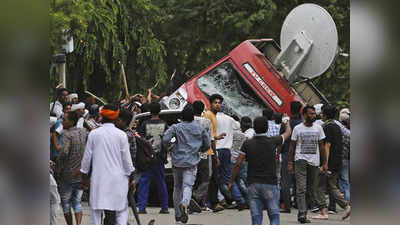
x=107, y=150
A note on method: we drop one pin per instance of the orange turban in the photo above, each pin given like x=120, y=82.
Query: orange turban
x=109, y=114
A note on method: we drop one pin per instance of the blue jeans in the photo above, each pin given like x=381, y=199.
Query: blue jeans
x=241, y=179
x=224, y=172
x=184, y=179
x=70, y=195
x=344, y=180
x=264, y=196
x=158, y=172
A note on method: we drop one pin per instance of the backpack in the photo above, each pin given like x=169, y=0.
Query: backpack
x=145, y=155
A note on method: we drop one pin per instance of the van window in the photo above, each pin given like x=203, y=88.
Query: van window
x=239, y=98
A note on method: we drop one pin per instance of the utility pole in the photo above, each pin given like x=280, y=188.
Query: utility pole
x=60, y=60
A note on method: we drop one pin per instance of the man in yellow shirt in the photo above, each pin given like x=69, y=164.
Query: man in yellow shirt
x=215, y=103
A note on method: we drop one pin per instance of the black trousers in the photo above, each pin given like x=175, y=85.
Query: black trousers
x=286, y=181
x=213, y=186
x=204, y=172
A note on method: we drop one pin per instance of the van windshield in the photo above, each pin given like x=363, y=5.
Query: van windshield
x=239, y=98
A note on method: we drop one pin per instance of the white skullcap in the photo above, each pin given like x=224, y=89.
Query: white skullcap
x=344, y=114
x=80, y=105
x=285, y=119
x=318, y=108
x=72, y=96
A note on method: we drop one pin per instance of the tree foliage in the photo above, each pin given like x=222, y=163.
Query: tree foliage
x=107, y=32
x=153, y=38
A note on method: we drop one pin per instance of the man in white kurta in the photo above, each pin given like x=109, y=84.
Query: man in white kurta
x=108, y=150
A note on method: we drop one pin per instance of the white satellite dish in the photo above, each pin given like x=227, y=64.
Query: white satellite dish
x=309, y=42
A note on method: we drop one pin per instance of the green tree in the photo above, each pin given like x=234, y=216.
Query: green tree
x=105, y=33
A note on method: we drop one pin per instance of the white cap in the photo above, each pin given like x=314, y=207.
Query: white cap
x=318, y=108
x=72, y=96
x=285, y=119
x=138, y=103
x=75, y=107
x=344, y=114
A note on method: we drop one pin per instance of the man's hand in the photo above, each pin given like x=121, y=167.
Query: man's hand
x=290, y=167
x=221, y=136
x=132, y=186
x=84, y=184
x=230, y=186
x=217, y=162
x=58, y=148
x=324, y=168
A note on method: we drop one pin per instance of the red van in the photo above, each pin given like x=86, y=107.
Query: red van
x=248, y=81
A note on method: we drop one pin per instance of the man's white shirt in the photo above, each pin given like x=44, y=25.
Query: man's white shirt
x=226, y=124
x=107, y=150
x=307, y=143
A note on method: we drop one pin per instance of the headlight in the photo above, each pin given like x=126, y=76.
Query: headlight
x=174, y=103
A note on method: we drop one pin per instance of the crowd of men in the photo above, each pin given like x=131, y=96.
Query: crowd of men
x=219, y=161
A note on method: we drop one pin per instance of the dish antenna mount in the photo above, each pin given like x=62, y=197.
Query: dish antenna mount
x=309, y=41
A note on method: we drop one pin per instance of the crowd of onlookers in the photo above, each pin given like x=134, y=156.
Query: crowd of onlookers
x=273, y=162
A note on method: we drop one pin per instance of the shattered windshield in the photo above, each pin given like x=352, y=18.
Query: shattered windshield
x=239, y=99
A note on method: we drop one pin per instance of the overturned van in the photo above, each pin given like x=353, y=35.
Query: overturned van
x=248, y=81
x=257, y=74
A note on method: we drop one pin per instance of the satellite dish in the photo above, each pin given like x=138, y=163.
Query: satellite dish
x=309, y=41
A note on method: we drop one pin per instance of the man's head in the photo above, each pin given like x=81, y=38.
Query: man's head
x=260, y=125
x=67, y=108
x=94, y=110
x=155, y=108
x=245, y=123
x=124, y=119
x=344, y=115
x=318, y=110
x=62, y=94
x=188, y=113
x=109, y=113
x=268, y=113
x=216, y=102
x=136, y=106
x=70, y=119
x=79, y=109
x=295, y=108
x=328, y=112
x=309, y=114
x=278, y=118
x=73, y=98
x=198, y=107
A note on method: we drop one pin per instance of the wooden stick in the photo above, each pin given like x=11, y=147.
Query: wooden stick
x=155, y=85
x=158, y=81
x=94, y=96
x=173, y=75
x=125, y=83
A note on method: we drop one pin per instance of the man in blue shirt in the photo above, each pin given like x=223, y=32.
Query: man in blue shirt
x=191, y=138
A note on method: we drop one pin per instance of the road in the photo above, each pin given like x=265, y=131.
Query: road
x=226, y=217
